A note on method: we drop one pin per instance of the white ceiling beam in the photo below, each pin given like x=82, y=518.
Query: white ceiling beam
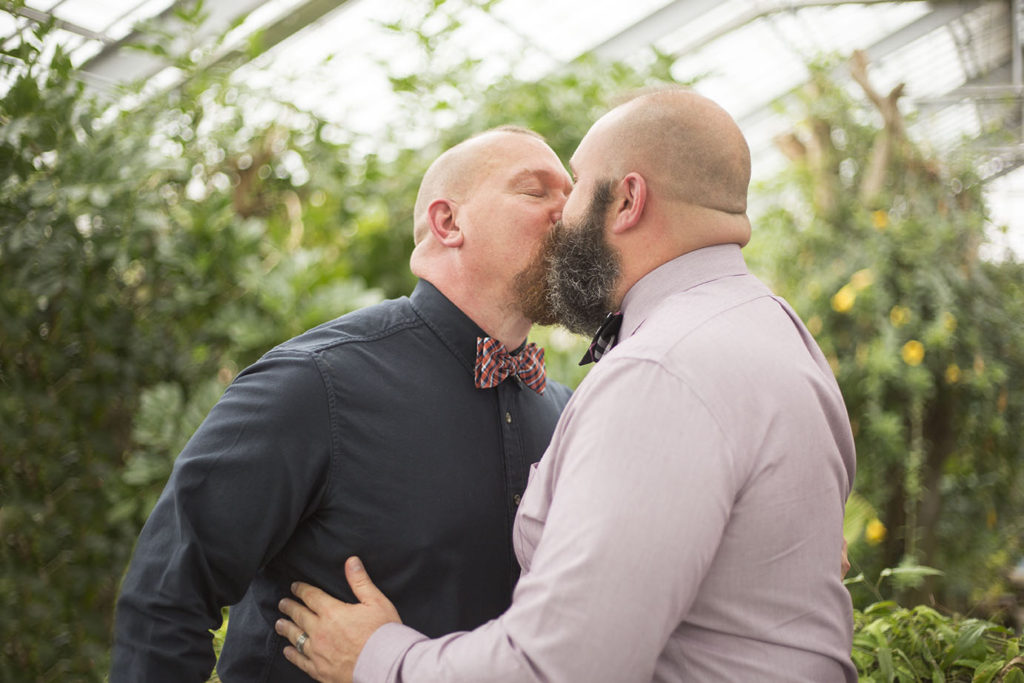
x=652, y=27
x=114, y=65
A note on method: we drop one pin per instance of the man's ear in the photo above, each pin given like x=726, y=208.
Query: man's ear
x=441, y=215
x=630, y=199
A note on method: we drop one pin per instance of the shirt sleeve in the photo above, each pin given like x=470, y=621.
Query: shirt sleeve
x=641, y=480
x=255, y=467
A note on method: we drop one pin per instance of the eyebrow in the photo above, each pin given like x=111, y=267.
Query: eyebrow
x=542, y=174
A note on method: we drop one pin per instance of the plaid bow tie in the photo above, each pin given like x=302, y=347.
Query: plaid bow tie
x=606, y=337
x=494, y=363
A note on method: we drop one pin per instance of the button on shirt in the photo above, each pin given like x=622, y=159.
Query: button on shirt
x=686, y=522
x=364, y=436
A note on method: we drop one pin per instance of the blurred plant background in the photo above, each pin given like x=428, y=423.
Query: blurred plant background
x=877, y=245
x=153, y=245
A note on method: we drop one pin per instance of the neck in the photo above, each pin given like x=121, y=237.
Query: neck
x=500, y=320
x=489, y=304
x=683, y=229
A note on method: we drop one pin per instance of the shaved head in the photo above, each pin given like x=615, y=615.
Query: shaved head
x=688, y=147
x=453, y=174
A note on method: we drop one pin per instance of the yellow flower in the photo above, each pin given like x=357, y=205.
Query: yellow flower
x=899, y=316
x=874, y=532
x=913, y=352
x=880, y=219
x=862, y=278
x=952, y=373
x=843, y=299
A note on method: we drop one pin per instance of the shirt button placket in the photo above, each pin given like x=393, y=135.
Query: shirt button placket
x=514, y=460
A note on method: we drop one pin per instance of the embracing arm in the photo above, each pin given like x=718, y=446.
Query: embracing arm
x=333, y=632
x=632, y=528
x=250, y=473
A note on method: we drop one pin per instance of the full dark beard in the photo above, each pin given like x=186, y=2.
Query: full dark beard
x=572, y=280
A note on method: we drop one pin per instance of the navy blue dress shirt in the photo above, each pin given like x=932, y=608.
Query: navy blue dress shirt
x=364, y=436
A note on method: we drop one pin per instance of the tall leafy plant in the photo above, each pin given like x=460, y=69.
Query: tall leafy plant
x=877, y=244
x=131, y=243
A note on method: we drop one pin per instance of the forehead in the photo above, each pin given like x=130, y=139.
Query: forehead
x=584, y=156
x=589, y=153
x=579, y=162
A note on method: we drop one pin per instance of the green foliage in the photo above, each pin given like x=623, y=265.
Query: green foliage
x=924, y=336
x=893, y=643
x=218, y=643
x=131, y=245
x=908, y=575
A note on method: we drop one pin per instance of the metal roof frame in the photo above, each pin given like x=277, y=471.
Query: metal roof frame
x=999, y=85
x=1004, y=81
x=113, y=65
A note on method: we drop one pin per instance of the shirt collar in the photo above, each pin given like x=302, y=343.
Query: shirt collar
x=453, y=327
x=678, y=275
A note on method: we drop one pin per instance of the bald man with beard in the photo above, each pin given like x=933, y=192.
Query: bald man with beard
x=403, y=432
x=686, y=522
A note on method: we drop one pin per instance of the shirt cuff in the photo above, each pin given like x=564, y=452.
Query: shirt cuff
x=383, y=652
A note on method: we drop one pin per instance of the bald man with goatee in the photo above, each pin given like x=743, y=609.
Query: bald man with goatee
x=403, y=432
x=686, y=522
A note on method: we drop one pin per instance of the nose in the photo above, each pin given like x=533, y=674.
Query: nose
x=556, y=215
x=558, y=205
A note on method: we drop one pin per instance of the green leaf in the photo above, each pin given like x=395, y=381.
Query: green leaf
x=986, y=672
x=881, y=607
x=969, y=638
x=854, y=580
x=885, y=665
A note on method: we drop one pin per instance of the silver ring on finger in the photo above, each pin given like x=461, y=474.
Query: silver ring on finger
x=300, y=642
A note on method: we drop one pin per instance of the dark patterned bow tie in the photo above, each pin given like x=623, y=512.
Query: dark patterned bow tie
x=604, y=340
x=494, y=363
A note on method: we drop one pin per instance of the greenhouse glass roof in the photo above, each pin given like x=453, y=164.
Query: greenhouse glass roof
x=960, y=60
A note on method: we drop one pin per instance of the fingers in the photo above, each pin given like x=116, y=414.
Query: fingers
x=291, y=631
x=288, y=629
x=297, y=612
x=304, y=663
x=359, y=580
x=316, y=600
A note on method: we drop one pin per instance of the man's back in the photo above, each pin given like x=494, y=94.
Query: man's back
x=764, y=609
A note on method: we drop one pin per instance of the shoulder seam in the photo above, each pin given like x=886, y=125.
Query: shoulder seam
x=348, y=339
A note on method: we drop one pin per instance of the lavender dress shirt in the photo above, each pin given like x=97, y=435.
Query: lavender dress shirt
x=685, y=522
